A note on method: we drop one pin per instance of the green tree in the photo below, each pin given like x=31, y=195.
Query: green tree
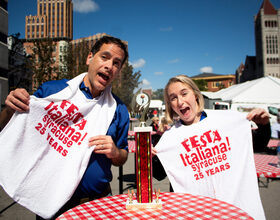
x=74, y=60
x=158, y=94
x=82, y=52
x=125, y=84
x=201, y=84
x=19, y=75
x=42, y=62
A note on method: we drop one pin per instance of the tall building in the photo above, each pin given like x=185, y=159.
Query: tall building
x=267, y=43
x=54, y=19
x=3, y=51
x=267, y=38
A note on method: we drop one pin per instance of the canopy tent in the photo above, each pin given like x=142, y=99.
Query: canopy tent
x=265, y=90
x=262, y=92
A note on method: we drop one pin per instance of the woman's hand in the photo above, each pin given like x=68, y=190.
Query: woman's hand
x=259, y=116
x=154, y=151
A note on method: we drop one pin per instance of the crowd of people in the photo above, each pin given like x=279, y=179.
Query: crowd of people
x=183, y=102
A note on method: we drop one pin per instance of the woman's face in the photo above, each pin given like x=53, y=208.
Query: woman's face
x=183, y=102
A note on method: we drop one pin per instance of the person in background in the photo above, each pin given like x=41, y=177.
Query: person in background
x=155, y=123
x=163, y=126
x=275, y=128
x=155, y=126
x=155, y=113
x=104, y=61
x=158, y=170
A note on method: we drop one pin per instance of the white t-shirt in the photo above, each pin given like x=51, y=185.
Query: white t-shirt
x=44, y=152
x=214, y=158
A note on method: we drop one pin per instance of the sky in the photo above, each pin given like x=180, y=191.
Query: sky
x=165, y=37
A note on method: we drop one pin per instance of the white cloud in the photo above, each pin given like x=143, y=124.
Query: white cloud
x=145, y=84
x=138, y=63
x=85, y=6
x=166, y=29
x=174, y=61
x=206, y=69
x=158, y=73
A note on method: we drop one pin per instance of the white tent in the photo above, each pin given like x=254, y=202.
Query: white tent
x=262, y=92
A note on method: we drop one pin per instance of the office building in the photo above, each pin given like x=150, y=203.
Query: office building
x=3, y=51
x=267, y=43
x=54, y=19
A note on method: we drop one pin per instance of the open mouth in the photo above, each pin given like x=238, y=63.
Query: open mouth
x=103, y=76
x=183, y=111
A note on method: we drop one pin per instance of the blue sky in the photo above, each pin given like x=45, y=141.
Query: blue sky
x=165, y=37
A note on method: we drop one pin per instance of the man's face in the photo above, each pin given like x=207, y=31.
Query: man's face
x=103, y=67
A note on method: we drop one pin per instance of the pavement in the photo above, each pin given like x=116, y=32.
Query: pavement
x=269, y=192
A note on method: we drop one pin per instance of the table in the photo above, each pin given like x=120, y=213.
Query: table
x=175, y=206
x=273, y=143
x=131, y=146
x=266, y=166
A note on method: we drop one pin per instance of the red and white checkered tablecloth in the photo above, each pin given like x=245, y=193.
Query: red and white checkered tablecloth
x=131, y=146
x=273, y=143
x=175, y=206
x=266, y=165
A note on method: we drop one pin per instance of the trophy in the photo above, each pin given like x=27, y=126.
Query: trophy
x=143, y=157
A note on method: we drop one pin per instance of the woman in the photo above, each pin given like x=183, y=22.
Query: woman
x=155, y=123
x=185, y=107
x=163, y=126
x=155, y=126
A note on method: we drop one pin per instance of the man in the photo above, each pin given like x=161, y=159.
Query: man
x=104, y=64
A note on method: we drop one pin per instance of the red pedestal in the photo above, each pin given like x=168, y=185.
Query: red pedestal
x=144, y=165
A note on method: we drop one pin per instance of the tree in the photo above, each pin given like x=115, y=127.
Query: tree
x=124, y=85
x=158, y=94
x=19, y=75
x=82, y=52
x=73, y=60
x=42, y=62
x=201, y=84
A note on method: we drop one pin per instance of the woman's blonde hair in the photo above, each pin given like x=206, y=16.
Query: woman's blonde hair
x=163, y=122
x=155, y=118
x=169, y=113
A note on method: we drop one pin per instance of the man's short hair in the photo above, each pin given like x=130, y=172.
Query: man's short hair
x=110, y=40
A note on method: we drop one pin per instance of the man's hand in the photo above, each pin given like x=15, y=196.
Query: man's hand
x=18, y=100
x=105, y=145
x=259, y=116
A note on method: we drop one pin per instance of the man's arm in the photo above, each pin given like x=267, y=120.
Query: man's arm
x=17, y=100
x=5, y=117
x=121, y=159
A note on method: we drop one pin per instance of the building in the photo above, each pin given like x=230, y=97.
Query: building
x=267, y=38
x=3, y=51
x=215, y=82
x=54, y=19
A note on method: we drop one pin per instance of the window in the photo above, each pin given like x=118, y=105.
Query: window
x=217, y=84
